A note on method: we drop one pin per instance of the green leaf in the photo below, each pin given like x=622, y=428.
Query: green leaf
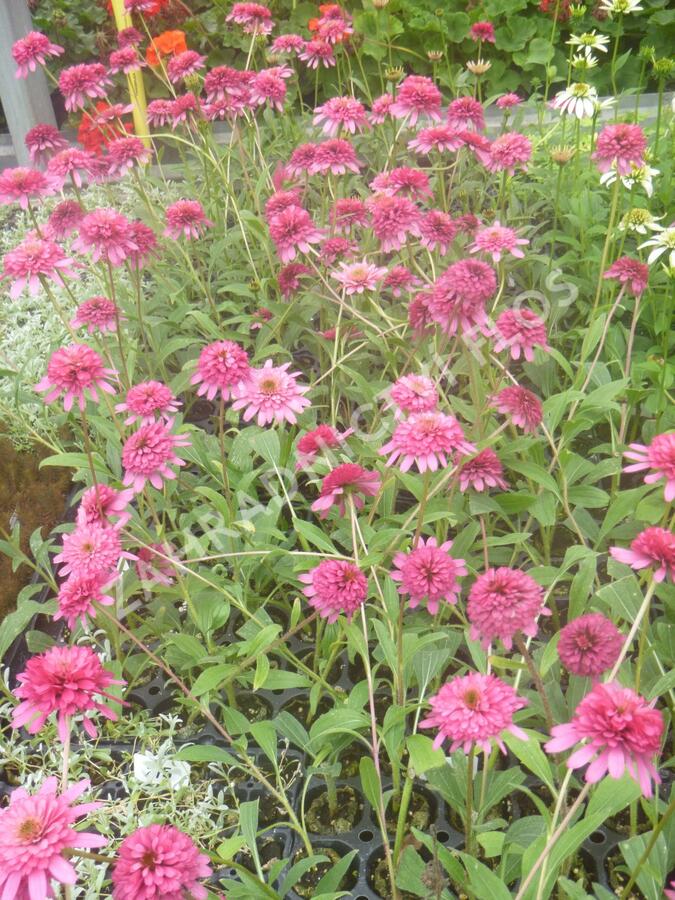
x=16, y=622
x=422, y=753
x=653, y=873
x=262, y=670
x=369, y=781
x=291, y=729
x=314, y=535
x=248, y=822
x=337, y=721
x=331, y=880
x=265, y=735
x=211, y=678
x=530, y=754
x=485, y=884
x=206, y=753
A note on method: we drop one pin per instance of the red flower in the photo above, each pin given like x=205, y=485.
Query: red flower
x=168, y=43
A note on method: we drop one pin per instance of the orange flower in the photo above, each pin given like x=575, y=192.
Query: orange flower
x=168, y=43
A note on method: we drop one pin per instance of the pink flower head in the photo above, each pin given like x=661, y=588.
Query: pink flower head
x=185, y=108
x=496, y=239
x=414, y=394
x=652, y=547
x=399, y=280
x=160, y=112
x=419, y=316
x=125, y=60
x=458, y=296
x=76, y=371
x=100, y=503
x=159, y=862
x=77, y=596
x=288, y=43
x=33, y=50
x=63, y=220
x=482, y=31
x=659, y=456
x=334, y=249
x=42, y=142
x=302, y=159
x=145, y=240
x=620, y=146
x=184, y=64
x=72, y=163
x=65, y=681
x=630, y=273
x=186, y=218
x=269, y=87
x=253, y=17
x=341, y=113
x=93, y=548
x=34, y=832
x=33, y=260
x=320, y=439
x=334, y=25
x=129, y=37
x=508, y=101
x=589, y=645
x=417, y=96
x=293, y=230
x=147, y=454
x=521, y=405
x=154, y=564
x=479, y=145
x=337, y=156
x=394, y=219
x=148, y=400
x=428, y=571
x=502, y=603
x=335, y=586
x=442, y=138
x=670, y=894
x=83, y=82
x=622, y=733
x=107, y=234
x=22, y=185
x=317, y=52
x=482, y=472
x=473, y=710
x=222, y=366
x=520, y=330
x=438, y=231
x=271, y=394
x=348, y=213
x=404, y=180
x=281, y=200
x=227, y=108
x=289, y=278
x=346, y=480
x=223, y=82
x=97, y=313
x=380, y=109
x=428, y=440
x=125, y=152
x=359, y=277
x=466, y=114
x=509, y=151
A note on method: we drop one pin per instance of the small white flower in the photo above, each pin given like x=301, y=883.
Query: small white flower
x=590, y=40
x=640, y=221
x=640, y=176
x=160, y=769
x=585, y=60
x=662, y=242
x=579, y=99
x=621, y=7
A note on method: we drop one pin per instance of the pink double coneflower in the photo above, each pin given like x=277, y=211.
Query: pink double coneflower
x=394, y=219
x=301, y=161
x=97, y=314
x=438, y=231
x=107, y=235
x=160, y=113
x=335, y=586
x=380, y=109
x=78, y=594
x=466, y=114
x=186, y=109
x=63, y=220
x=126, y=152
x=281, y=200
x=42, y=142
x=520, y=331
x=92, y=548
x=184, y=64
x=83, y=82
x=222, y=367
x=349, y=213
x=77, y=372
x=125, y=60
x=254, y=18
x=145, y=241
x=148, y=401
x=417, y=97
x=522, y=406
x=621, y=147
x=632, y=274
x=458, y=296
x=148, y=453
x=271, y=395
x=341, y=114
x=399, y=280
x=269, y=87
x=413, y=183
x=32, y=51
x=589, y=645
x=287, y=43
x=321, y=439
x=428, y=572
x=652, y=548
x=508, y=152
x=495, y=240
x=347, y=480
x=289, y=278
x=479, y=145
x=224, y=82
x=33, y=260
x=186, y=218
x=503, y=603
x=508, y=101
x=318, y=52
x=100, y=504
x=73, y=163
x=442, y=138
x=293, y=231
x=21, y=185
x=658, y=456
x=334, y=249
x=419, y=315
x=428, y=440
x=336, y=156
x=482, y=32
x=413, y=394
x=356, y=278
x=154, y=564
x=482, y=472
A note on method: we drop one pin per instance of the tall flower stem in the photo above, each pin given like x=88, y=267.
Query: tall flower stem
x=659, y=112
x=608, y=240
x=468, y=821
x=641, y=613
x=660, y=825
x=617, y=38
x=536, y=678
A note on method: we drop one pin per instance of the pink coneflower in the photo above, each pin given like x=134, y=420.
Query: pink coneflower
x=419, y=316
x=337, y=156
x=428, y=440
x=334, y=25
x=184, y=64
x=479, y=145
x=438, y=231
x=185, y=109
x=520, y=331
x=630, y=273
x=153, y=566
x=65, y=681
x=159, y=862
x=400, y=280
x=271, y=395
x=348, y=213
x=474, y=710
x=42, y=142
x=281, y=200
x=33, y=260
x=100, y=503
x=317, y=52
x=428, y=571
x=71, y=163
x=334, y=249
x=482, y=32
x=458, y=296
x=621, y=147
x=97, y=313
x=253, y=17
x=227, y=108
x=77, y=596
x=91, y=549
x=33, y=50
x=496, y=239
x=125, y=152
x=129, y=37
x=358, y=277
x=652, y=547
x=107, y=234
x=63, y=220
x=508, y=101
x=502, y=603
x=622, y=734
x=417, y=96
x=186, y=218
x=482, y=472
x=441, y=138
x=509, y=151
x=21, y=185
x=288, y=43
x=404, y=180
x=466, y=114
x=83, y=82
x=589, y=645
x=335, y=586
x=223, y=82
x=222, y=367
x=317, y=441
x=160, y=112
x=346, y=480
x=145, y=240
x=659, y=456
x=147, y=401
x=521, y=405
x=125, y=60
x=269, y=87
x=147, y=454
x=302, y=159
x=76, y=371
x=413, y=394
x=289, y=278
x=394, y=220
x=293, y=231
x=341, y=113
x=380, y=109
x=34, y=832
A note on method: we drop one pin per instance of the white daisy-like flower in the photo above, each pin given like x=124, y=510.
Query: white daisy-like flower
x=621, y=7
x=160, y=769
x=583, y=61
x=662, y=242
x=590, y=40
x=640, y=176
x=579, y=99
x=639, y=221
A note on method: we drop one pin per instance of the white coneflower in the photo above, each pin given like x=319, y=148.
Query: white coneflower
x=639, y=176
x=590, y=40
x=640, y=221
x=662, y=242
x=579, y=99
x=584, y=61
x=478, y=66
x=620, y=7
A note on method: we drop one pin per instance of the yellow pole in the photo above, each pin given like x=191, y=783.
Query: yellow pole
x=134, y=80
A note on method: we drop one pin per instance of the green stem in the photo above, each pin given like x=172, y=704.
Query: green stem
x=661, y=824
x=468, y=821
x=608, y=239
x=406, y=794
